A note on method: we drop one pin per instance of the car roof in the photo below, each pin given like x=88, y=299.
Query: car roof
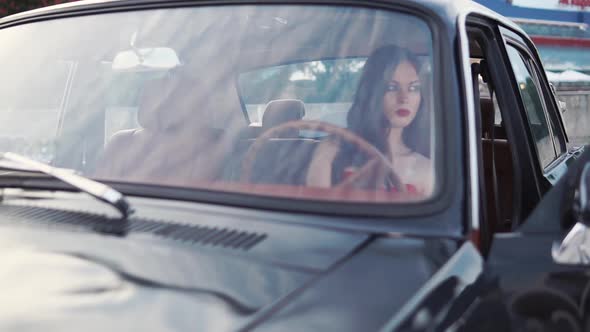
x=448, y=10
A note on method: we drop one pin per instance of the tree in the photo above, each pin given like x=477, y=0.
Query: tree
x=9, y=7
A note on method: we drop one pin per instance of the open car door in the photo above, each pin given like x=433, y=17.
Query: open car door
x=543, y=265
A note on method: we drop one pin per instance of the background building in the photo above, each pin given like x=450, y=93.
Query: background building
x=562, y=36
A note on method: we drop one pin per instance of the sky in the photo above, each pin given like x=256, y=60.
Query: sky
x=551, y=4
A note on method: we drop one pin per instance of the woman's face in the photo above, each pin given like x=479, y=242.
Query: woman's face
x=402, y=97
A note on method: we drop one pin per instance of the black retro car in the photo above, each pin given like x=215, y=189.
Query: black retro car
x=285, y=166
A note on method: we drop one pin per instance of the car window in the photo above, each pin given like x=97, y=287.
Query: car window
x=122, y=97
x=327, y=88
x=533, y=104
x=190, y=97
x=36, y=102
x=484, y=93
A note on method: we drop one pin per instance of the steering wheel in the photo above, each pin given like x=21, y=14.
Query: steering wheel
x=376, y=165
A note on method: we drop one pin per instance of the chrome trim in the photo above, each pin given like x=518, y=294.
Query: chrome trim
x=574, y=249
x=471, y=132
x=466, y=265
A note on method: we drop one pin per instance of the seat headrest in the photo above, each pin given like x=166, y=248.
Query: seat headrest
x=164, y=103
x=487, y=115
x=282, y=110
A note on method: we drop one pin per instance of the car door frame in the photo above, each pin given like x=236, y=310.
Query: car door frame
x=551, y=173
x=522, y=259
x=526, y=192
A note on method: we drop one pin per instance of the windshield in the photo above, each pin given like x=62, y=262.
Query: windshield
x=301, y=102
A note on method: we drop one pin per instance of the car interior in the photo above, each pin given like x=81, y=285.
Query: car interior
x=287, y=153
x=142, y=126
x=496, y=166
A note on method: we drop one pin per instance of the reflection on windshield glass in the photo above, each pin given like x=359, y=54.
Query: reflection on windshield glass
x=30, y=108
x=168, y=97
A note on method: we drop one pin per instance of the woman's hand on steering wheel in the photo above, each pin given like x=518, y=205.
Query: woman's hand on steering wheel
x=374, y=171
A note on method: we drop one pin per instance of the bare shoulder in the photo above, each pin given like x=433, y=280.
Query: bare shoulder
x=422, y=163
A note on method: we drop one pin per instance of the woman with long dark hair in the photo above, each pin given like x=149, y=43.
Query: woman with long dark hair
x=389, y=112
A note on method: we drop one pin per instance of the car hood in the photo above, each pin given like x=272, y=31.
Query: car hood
x=69, y=279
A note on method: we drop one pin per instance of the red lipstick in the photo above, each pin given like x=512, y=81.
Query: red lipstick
x=403, y=112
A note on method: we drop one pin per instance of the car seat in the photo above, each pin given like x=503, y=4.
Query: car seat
x=172, y=144
x=283, y=159
x=281, y=111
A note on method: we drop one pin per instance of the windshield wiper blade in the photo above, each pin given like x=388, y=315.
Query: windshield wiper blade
x=91, y=187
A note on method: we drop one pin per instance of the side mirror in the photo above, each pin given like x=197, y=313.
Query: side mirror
x=146, y=59
x=575, y=247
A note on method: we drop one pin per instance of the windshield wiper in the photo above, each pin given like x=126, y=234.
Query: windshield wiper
x=15, y=162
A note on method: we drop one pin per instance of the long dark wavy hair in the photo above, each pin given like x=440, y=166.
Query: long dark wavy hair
x=366, y=117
